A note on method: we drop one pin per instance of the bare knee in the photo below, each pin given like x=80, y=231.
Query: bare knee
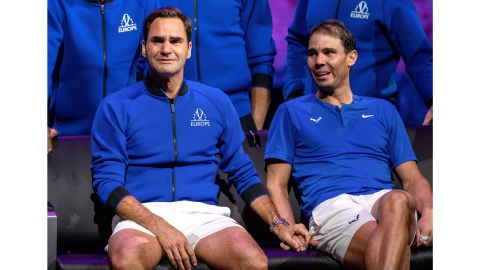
x=253, y=259
x=399, y=202
x=124, y=259
x=129, y=254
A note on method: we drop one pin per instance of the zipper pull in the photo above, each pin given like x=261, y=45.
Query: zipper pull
x=172, y=105
x=102, y=7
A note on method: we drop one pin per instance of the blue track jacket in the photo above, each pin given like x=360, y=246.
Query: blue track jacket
x=162, y=150
x=93, y=50
x=384, y=30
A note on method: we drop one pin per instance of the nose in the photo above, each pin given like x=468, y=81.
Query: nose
x=166, y=48
x=319, y=61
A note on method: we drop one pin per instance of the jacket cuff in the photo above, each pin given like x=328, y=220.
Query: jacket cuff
x=295, y=94
x=253, y=192
x=429, y=103
x=262, y=80
x=116, y=196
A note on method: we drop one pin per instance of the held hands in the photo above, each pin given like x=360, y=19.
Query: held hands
x=424, y=236
x=176, y=247
x=294, y=236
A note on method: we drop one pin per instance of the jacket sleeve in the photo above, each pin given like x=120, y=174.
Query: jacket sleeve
x=256, y=21
x=235, y=162
x=55, y=40
x=109, y=155
x=297, y=42
x=407, y=34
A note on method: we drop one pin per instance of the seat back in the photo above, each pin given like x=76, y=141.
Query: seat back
x=70, y=191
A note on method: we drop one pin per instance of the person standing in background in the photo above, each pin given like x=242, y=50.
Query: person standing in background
x=93, y=50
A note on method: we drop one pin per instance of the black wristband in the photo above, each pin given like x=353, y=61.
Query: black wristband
x=116, y=196
x=262, y=80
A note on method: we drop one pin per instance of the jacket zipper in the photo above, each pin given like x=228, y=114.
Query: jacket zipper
x=195, y=29
x=175, y=152
x=338, y=8
x=102, y=8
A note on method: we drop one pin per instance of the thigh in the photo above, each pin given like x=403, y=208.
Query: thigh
x=335, y=222
x=226, y=248
x=136, y=245
x=355, y=254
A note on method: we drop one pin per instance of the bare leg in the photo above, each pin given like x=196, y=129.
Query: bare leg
x=355, y=255
x=132, y=249
x=231, y=248
x=385, y=245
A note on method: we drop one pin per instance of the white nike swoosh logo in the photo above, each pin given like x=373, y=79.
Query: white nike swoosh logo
x=367, y=115
x=316, y=120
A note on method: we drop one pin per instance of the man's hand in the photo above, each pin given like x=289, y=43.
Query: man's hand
x=294, y=236
x=172, y=242
x=428, y=117
x=51, y=133
x=424, y=236
x=176, y=247
x=260, y=99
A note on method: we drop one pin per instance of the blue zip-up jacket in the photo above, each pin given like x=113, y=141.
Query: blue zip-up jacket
x=93, y=50
x=162, y=150
x=233, y=48
x=384, y=30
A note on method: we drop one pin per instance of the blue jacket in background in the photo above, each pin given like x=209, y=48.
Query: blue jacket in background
x=384, y=30
x=90, y=56
x=162, y=150
x=233, y=48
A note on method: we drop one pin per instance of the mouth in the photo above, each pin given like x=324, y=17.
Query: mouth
x=165, y=60
x=321, y=75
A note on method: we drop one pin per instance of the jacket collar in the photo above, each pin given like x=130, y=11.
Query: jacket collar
x=98, y=1
x=156, y=90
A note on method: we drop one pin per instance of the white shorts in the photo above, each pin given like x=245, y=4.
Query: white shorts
x=335, y=221
x=195, y=220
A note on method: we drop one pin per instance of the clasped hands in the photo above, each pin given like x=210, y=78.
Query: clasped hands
x=293, y=237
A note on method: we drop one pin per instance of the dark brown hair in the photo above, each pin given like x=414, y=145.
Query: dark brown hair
x=167, y=12
x=337, y=29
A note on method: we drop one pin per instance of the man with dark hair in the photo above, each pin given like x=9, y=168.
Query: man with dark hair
x=233, y=50
x=156, y=148
x=385, y=30
x=340, y=149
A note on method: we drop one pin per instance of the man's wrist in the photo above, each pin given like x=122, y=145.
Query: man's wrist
x=278, y=221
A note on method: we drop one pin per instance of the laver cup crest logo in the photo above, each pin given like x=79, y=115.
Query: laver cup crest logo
x=361, y=11
x=127, y=24
x=199, y=119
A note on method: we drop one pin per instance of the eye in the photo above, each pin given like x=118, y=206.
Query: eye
x=328, y=52
x=176, y=40
x=312, y=53
x=157, y=40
